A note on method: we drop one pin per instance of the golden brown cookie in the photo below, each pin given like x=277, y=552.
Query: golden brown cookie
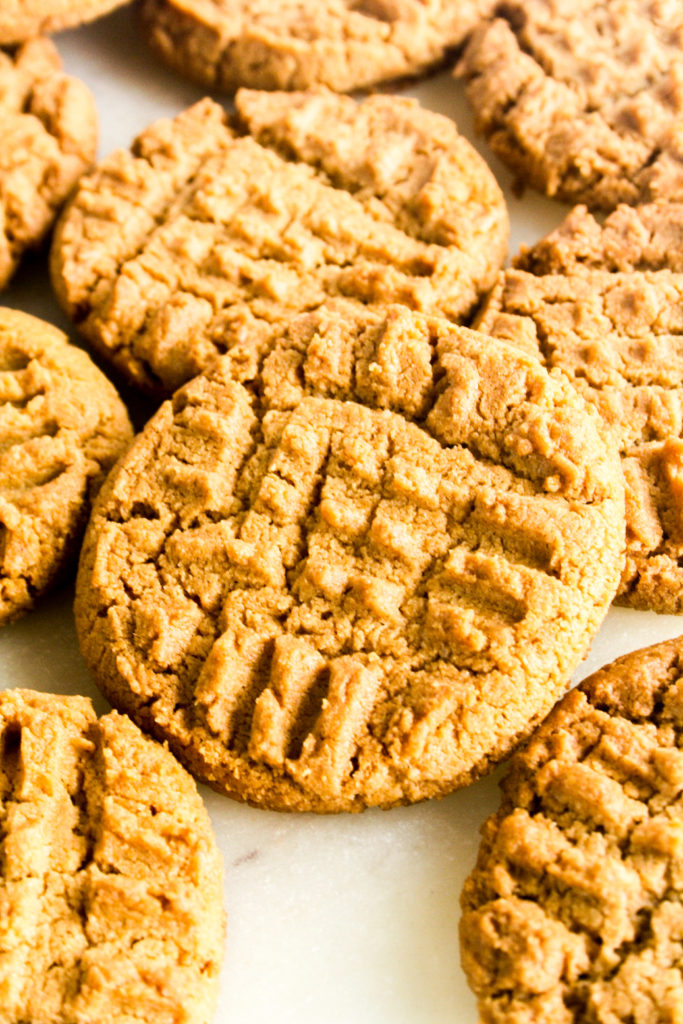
x=583, y=100
x=574, y=911
x=62, y=426
x=296, y=44
x=24, y=19
x=213, y=233
x=603, y=303
x=362, y=575
x=48, y=137
x=111, y=880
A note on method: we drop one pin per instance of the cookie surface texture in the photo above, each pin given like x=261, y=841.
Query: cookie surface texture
x=211, y=234
x=603, y=304
x=48, y=138
x=297, y=44
x=583, y=100
x=111, y=881
x=62, y=426
x=24, y=19
x=359, y=577
x=573, y=912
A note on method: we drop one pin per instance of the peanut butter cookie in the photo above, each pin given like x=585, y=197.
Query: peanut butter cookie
x=603, y=303
x=62, y=426
x=212, y=232
x=296, y=44
x=48, y=137
x=23, y=19
x=111, y=881
x=574, y=911
x=583, y=100
x=361, y=576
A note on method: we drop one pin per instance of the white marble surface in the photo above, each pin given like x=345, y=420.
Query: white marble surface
x=332, y=920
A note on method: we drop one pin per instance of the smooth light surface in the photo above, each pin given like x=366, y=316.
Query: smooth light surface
x=349, y=919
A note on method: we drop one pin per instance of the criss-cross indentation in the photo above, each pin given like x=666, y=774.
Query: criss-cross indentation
x=97, y=870
x=576, y=893
x=602, y=303
x=212, y=235
x=325, y=595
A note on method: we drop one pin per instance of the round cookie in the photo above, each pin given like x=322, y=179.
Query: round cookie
x=24, y=19
x=297, y=44
x=574, y=910
x=214, y=233
x=48, y=137
x=111, y=880
x=62, y=426
x=359, y=577
x=603, y=304
x=583, y=100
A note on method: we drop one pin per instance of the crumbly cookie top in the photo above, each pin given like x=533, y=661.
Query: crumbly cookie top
x=299, y=44
x=48, y=137
x=211, y=234
x=603, y=304
x=584, y=100
x=111, y=884
x=62, y=426
x=359, y=579
x=573, y=911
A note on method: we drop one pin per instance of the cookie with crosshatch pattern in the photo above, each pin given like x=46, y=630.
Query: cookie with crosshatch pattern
x=214, y=232
x=62, y=427
x=358, y=573
x=602, y=303
x=48, y=138
x=583, y=100
x=574, y=910
x=111, y=881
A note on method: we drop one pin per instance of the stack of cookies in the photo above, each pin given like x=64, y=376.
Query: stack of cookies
x=385, y=499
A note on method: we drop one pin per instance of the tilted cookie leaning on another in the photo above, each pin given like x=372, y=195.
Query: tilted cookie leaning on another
x=359, y=573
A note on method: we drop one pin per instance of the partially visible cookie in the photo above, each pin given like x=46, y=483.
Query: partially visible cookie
x=574, y=911
x=361, y=576
x=48, y=138
x=111, y=880
x=297, y=44
x=583, y=100
x=214, y=233
x=24, y=19
x=62, y=426
x=602, y=302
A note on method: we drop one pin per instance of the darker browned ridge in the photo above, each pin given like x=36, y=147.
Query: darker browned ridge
x=575, y=100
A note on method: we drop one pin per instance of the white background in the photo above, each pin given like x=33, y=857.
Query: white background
x=350, y=919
